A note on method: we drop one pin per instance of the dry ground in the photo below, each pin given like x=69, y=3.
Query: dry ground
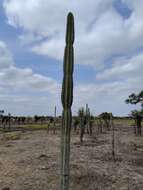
x=30, y=161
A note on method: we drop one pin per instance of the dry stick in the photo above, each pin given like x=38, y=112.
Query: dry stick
x=55, y=111
x=87, y=124
x=113, y=137
x=9, y=118
x=67, y=99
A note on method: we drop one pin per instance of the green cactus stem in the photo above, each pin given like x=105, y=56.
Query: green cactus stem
x=82, y=124
x=67, y=99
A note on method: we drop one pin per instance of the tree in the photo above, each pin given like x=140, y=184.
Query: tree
x=135, y=98
x=106, y=118
x=36, y=118
x=136, y=114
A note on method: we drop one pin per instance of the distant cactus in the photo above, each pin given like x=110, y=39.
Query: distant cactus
x=87, y=119
x=67, y=99
x=9, y=120
x=81, y=115
x=100, y=125
x=75, y=124
x=55, y=114
x=105, y=116
x=113, y=136
x=89, y=123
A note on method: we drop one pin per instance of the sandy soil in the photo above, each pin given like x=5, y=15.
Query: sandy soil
x=30, y=161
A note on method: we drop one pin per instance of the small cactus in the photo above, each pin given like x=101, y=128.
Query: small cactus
x=87, y=112
x=88, y=120
x=81, y=115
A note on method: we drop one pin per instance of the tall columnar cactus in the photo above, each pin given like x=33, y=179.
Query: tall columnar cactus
x=67, y=99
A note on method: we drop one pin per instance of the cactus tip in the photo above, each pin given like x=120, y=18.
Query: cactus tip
x=70, y=15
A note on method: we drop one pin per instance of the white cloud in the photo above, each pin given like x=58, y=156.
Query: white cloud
x=108, y=97
x=124, y=68
x=105, y=96
x=101, y=34
x=12, y=76
x=114, y=85
x=101, y=31
x=5, y=56
x=27, y=104
x=29, y=38
x=24, y=92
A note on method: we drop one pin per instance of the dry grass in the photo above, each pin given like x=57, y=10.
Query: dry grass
x=30, y=161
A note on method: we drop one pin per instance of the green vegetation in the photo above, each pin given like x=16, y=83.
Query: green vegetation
x=124, y=121
x=106, y=117
x=36, y=126
x=135, y=98
x=11, y=136
x=136, y=114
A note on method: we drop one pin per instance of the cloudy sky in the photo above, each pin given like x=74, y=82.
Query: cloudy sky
x=108, y=54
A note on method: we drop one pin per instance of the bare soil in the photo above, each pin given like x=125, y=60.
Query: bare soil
x=29, y=160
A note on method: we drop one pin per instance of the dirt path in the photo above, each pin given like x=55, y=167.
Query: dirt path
x=30, y=161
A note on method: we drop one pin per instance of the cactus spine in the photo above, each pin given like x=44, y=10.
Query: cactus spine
x=67, y=99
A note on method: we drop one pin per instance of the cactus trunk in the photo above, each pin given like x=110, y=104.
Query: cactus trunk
x=67, y=99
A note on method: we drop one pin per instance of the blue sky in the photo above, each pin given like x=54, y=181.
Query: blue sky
x=108, y=54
